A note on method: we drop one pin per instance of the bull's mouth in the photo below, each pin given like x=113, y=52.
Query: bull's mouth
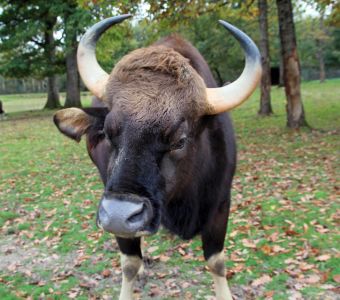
x=127, y=215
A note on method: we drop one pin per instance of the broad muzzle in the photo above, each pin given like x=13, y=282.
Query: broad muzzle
x=125, y=215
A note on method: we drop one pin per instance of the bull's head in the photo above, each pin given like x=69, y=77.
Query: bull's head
x=157, y=108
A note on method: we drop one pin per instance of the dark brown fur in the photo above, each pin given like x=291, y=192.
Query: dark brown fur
x=150, y=90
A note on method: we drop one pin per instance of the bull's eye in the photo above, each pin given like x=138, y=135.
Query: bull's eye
x=179, y=145
x=101, y=133
x=106, y=135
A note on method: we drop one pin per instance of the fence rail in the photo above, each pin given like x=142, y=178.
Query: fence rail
x=17, y=86
x=32, y=85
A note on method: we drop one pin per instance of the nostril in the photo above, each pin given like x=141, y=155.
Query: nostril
x=103, y=217
x=99, y=224
x=137, y=215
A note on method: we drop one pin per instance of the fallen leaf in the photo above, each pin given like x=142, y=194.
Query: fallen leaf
x=274, y=236
x=277, y=249
x=295, y=295
x=155, y=292
x=181, y=251
x=106, y=273
x=249, y=244
x=164, y=258
x=311, y=279
x=266, y=249
x=269, y=294
x=305, y=267
x=324, y=257
x=234, y=257
x=152, y=249
x=291, y=232
x=336, y=278
x=262, y=280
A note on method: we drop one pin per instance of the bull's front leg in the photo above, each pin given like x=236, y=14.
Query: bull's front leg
x=213, y=244
x=216, y=266
x=131, y=263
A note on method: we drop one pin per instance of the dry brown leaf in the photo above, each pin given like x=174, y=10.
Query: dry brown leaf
x=277, y=249
x=291, y=232
x=48, y=225
x=311, y=279
x=185, y=285
x=161, y=275
x=262, y=280
x=233, y=234
x=324, y=257
x=164, y=258
x=51, y=213
x=155, y=291
x=181, y=251
x=295, y=295
x=234, y=257
x=248, y=243
x=106, y=273
x=305, y=227
x=269, y=294
x=266, y=249
x=305, y=267
x=152, y=249
x=274, y=236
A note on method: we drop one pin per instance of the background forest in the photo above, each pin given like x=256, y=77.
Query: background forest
x=39, y=39
x=283, y=233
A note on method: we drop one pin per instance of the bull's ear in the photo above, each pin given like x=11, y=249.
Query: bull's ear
x=74, y=122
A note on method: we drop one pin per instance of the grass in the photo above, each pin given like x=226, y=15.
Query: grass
x=283, y=222
x=14, y=103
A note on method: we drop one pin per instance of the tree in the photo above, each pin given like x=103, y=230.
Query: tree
x=49, y=47
x=291, y=65
x=315, y=36
x=265, y=102
x=198, y=22
x=27, y=43
x=320, y=46
x=72, y=16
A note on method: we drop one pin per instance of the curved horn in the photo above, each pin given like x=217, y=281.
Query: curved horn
x=94, y=77
x=227, y=97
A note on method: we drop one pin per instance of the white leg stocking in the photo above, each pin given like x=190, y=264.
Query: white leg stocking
x=130, y=267
x=216, y=266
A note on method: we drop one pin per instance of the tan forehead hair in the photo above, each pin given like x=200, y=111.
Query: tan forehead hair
x=156, y=83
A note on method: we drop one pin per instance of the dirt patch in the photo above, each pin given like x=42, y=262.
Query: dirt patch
x=20, y=256
x=159, y=281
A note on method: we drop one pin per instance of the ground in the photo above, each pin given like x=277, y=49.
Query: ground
x=282, y=237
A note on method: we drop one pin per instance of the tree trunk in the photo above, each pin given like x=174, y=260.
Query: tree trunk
x=52, y=93
x=265, y=102
x=52, y=87
x=72, y=79
x=320, y=48
x=281, y=80
x=291, y=65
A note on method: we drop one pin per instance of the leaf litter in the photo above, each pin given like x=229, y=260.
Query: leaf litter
x=281, y=239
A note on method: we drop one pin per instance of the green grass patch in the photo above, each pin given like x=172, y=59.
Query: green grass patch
x=283, y=220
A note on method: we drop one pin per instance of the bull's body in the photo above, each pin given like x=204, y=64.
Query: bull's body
x=192, y=207
x=165, y=154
